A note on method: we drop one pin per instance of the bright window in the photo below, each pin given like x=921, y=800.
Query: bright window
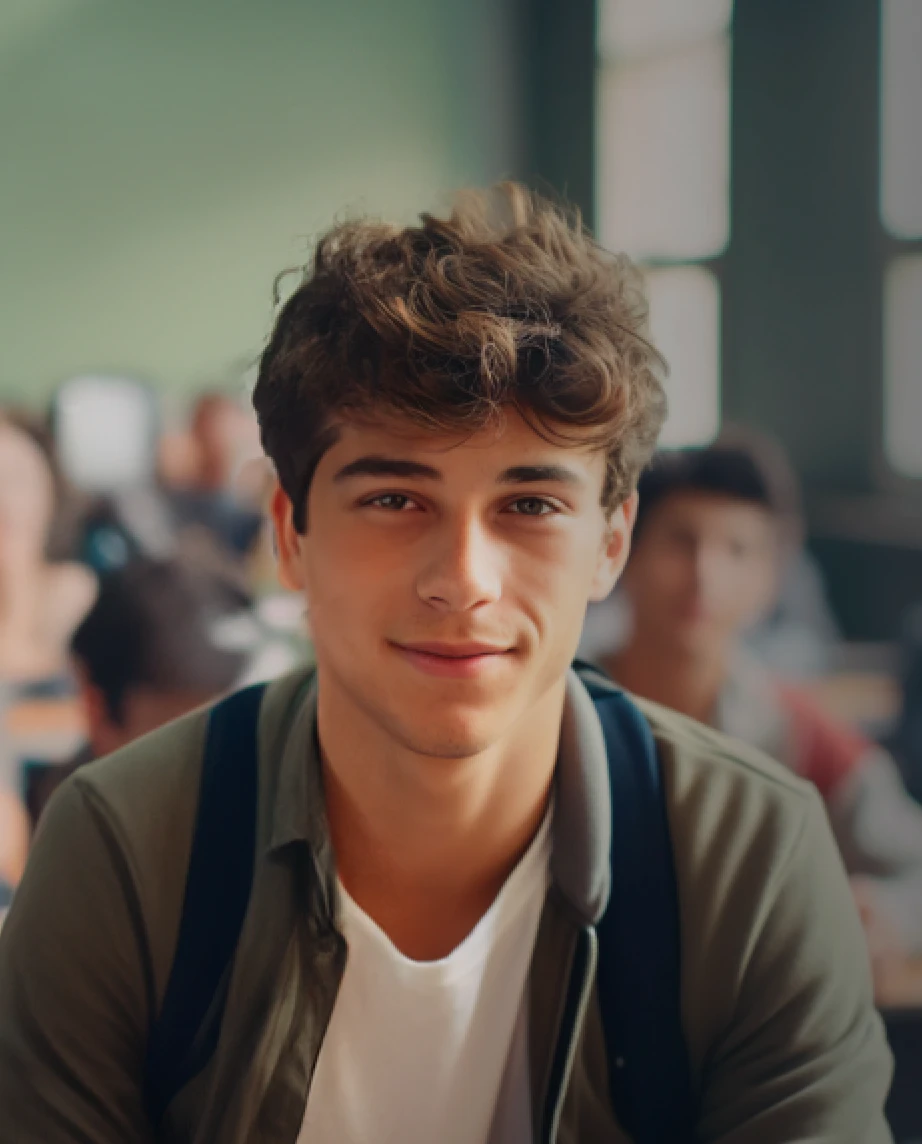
x=664, y=154
x=685, y=325
x=663, y=181
x=901, y=216
x=648, y=27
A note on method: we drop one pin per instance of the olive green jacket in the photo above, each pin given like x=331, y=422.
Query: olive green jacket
x=783, y=1037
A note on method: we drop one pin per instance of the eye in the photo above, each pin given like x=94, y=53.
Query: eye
x=390, y=502
x=532, y=506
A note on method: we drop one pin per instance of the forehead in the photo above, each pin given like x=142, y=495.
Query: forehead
x=485, y=451
x=702, y=511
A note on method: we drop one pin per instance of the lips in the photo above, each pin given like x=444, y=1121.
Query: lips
x=467, y=660
x=455, y=650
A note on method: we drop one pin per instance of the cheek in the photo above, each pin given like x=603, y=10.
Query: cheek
x=350, y=577
x=668, y=576
x=556, y=575
x=759, y=591
x=740, y=593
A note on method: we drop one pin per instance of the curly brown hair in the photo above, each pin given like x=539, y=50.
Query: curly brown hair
x=507, y=303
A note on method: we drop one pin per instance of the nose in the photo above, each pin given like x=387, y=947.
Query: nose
x=709, y=568
x=463, y=570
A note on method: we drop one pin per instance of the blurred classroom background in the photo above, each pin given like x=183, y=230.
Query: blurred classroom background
x=762, y=160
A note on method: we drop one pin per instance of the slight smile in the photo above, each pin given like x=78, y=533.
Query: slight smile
x=454, y=661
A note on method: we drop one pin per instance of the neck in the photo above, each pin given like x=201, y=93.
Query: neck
x=423, y=844
x=685, y=681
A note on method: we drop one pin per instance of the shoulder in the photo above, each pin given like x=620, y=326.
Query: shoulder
x=700, y=760
x=736, y=816
x=714, y=783
x=726, y=801
x=776, y=989
x=141, y=802
x=759, y=877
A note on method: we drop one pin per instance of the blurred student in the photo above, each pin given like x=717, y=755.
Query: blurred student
x=708, y=548
x=40, y=602
x=163, y=638
x=215, y=494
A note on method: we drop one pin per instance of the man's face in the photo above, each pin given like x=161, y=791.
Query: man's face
x=703, y=569
x=447, y=578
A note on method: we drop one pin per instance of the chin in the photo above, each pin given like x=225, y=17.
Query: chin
x=699, y=640
x=448, y=736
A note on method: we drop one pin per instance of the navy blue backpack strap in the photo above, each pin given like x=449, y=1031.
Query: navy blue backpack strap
x=185, y=1034
x=640, y=963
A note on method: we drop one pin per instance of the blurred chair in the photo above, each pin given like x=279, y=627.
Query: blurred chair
x=904, y=1105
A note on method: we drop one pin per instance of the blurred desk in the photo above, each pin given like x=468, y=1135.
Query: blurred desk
x=46, y=728
x=867, y=700
x=33, y=718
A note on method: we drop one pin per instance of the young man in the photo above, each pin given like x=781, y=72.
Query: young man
x=458, y=413
x=164, y=637
x=706, y=557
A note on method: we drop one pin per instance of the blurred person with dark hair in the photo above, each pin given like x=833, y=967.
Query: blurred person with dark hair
x=709, y=546
x=40, y=602
x=216, y=493
x=400, y=896
x=164, y=637
x=795, y=634
x=226, y=435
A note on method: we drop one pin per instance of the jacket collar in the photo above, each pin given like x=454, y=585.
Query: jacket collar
x=580, y=858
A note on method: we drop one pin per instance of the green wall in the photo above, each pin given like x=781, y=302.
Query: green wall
x=162, y=160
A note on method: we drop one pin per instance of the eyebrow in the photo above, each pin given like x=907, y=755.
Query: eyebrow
x=532, y=474
x=378, y=466
x=375, y=465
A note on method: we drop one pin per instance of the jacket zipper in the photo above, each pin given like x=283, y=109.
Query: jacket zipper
x=578, y=991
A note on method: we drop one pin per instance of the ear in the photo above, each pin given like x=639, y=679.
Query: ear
x=615, y=549
x=287, y=541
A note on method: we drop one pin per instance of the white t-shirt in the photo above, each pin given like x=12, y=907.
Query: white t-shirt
x=418, y=1052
